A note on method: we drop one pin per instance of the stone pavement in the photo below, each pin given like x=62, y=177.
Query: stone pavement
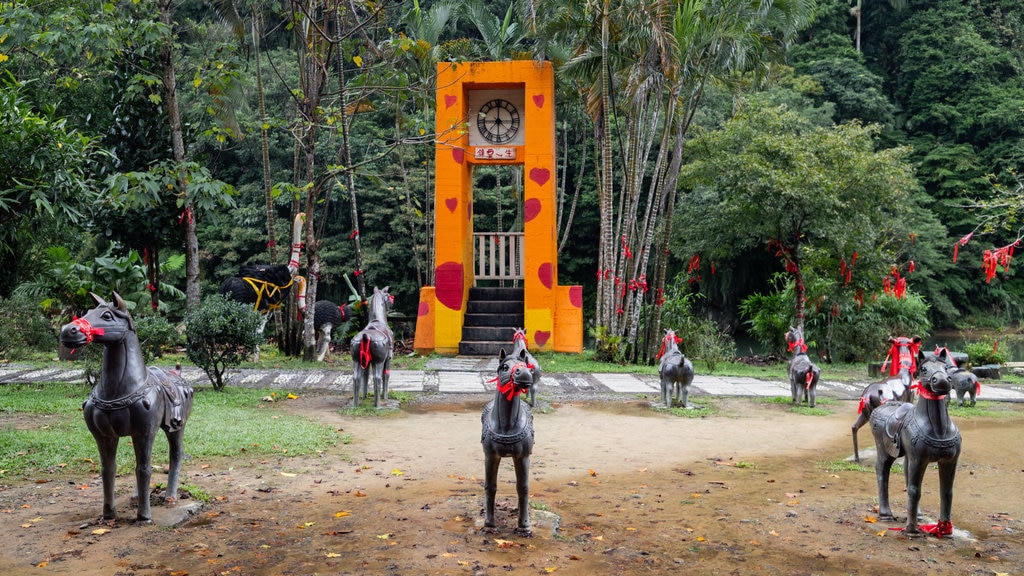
x=471, y=375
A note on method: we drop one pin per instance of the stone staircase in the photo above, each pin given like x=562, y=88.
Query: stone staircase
x=492, y=316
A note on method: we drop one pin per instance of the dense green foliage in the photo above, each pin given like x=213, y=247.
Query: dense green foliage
x=896, y=150
x=221, y=334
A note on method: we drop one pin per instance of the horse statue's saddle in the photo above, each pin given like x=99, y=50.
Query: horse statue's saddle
x=891, y=417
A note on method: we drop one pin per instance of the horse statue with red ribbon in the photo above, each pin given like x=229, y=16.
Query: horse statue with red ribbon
x=902, y=360
x=372, y=350
x=674, y=370
x=129, y=400
x=507, y=424
x=924, y=433
x=803, y=373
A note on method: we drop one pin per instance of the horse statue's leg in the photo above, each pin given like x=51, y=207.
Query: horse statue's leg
x=108, y=471
x=491, y=463
x=142, y=441
x=684, y=392
x=915, y=468
x=358, y=375
x=176, y=452
x=883, y=465
x=522, y=466
x=378, y=383
x=861, y=421
x=947, y=473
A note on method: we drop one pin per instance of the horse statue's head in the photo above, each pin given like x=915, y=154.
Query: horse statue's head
x=903, y=354
x=669, y=342
x=380, y=303
x=515, y=373
x=107, y=323
x=935, y=382
x=795, y=341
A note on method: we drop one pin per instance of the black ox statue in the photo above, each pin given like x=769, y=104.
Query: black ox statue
x=129, y=400
x=924, y=434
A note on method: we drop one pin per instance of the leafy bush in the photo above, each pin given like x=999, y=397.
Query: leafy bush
x=852, y=333
x=156, y=335
x=769, y=316
x=702, y=339
x=24, y=329
x=981, y=353
x=606, y=347
x=221, y=334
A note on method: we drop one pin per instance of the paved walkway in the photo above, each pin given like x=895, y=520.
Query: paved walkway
x=468, y=375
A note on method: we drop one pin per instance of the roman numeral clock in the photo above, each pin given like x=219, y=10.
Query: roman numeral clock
x=497, y=123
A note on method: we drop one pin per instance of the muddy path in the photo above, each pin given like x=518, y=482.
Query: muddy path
x=616, y=489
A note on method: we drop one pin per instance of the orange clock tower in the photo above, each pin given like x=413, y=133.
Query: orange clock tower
x=496, y=113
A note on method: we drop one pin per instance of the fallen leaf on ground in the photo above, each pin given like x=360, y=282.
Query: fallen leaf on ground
x=383, y=536
x=397, y=472
x=100, y=531
x=332, y=555
x=291, y=396
x=870, y=519
x=341, y=514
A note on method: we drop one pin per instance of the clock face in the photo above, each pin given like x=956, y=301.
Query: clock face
x=498, y=121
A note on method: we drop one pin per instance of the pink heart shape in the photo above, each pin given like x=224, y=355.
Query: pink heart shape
x=457, y=155
x=530, y=209
x=448, y=285
x=452, y=204
x=541, y=337
x=576, y=296
x=538, y=100
x=540, y=175
x=450, y=100
x=544, y=274
x=424, y=309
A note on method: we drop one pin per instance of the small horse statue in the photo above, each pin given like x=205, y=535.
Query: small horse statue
x=508, y=432
x=519, y=342
x=803, y=373
x=372, y=350
x=903, y=357
x=674, y=370
x=965, y=382
x=924, y=434
x=129, y=400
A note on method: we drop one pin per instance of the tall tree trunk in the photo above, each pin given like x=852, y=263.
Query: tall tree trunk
x=192, y=295
x=606, y=253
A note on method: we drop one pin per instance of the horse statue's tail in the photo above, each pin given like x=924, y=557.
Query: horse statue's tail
x=365, y=356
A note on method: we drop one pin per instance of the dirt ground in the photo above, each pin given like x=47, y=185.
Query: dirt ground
x=617, y=488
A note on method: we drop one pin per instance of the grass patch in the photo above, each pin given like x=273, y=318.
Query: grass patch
x=700, y=409
x=844, y=466
x=366, y=409
x=230, y=423
x=983, y=409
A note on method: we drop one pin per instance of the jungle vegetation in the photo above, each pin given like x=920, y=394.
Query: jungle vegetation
x=858, y=159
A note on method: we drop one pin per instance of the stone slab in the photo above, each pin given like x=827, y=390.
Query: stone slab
x=626, y=384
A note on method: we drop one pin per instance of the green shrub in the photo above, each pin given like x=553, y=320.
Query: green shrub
x=607, y=347
x=24, y=329
x=981, y=353
x=156, y=335
x=221, y=334
x=769, y=316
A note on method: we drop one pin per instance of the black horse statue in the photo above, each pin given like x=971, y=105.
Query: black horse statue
x=508, y=432
x=924, y=434
x=129, y=400
x=965, y=382
x=519, y=342
x=903, y=361
x=803, y=373
x=674, y=370
x=372, y=350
